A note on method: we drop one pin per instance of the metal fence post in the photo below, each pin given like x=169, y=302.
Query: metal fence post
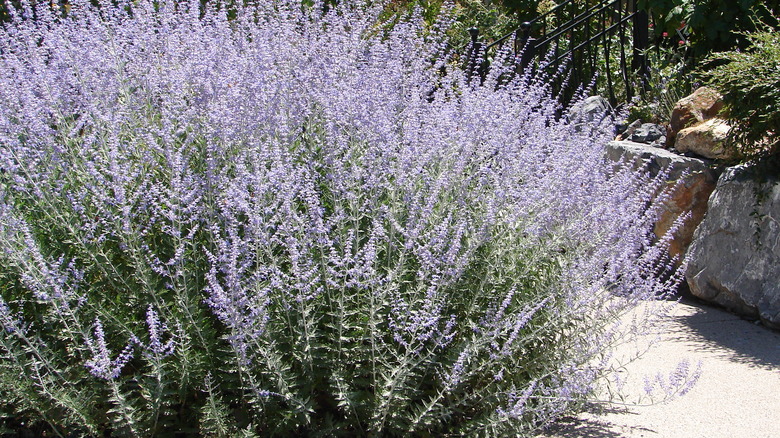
x=641, y=36
x=474, y=54
x=526, y=46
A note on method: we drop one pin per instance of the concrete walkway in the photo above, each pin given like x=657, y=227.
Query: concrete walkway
x=737, y=395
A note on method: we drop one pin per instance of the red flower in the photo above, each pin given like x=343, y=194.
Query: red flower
x=665, y=34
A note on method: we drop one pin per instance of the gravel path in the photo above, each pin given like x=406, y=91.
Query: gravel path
x=737, y=395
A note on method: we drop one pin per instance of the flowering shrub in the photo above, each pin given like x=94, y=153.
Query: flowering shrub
x=295, y=223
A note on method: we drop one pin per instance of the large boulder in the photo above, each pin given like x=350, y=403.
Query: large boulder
x=693, y=179
x=708, y=139
x=649, y=133
x=735, y=256
x=704, y=104
x=592, y=111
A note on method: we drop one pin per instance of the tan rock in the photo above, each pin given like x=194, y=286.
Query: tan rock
x=692, y=179
x=704, y=104
x=708, y=139
x=689, y=196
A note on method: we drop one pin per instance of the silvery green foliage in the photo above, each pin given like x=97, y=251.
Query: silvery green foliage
x=299, y=223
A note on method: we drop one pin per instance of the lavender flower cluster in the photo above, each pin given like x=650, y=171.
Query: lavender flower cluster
x=274, y=219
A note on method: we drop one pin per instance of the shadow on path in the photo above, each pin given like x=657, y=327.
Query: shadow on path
x=713, y=330
x=582, y=427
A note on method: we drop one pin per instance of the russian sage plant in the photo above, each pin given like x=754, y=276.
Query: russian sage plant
x=293, y=222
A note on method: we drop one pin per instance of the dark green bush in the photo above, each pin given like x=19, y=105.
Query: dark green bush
x=714, y=25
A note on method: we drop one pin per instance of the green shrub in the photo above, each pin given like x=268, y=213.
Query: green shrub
x=491, y=19
x=750, y=83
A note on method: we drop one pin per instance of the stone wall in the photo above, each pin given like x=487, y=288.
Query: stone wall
x=734, y=260
x=732, y=239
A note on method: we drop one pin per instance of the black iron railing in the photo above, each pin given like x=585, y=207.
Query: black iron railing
x=603, y=42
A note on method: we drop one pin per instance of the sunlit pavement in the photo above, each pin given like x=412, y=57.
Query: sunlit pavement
x=737, y=395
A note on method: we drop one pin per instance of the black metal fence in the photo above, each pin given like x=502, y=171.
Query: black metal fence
x=601, y=42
